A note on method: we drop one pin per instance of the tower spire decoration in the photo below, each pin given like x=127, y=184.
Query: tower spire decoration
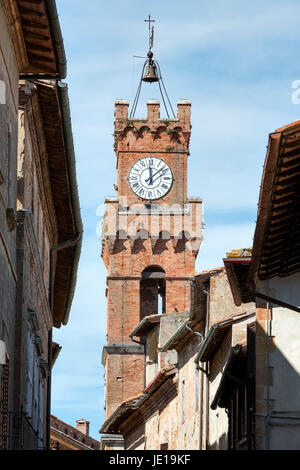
x=151, y=32
x=151, y=73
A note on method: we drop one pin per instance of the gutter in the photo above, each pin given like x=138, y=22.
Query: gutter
x=132, y=334
x=206, y=343
x=53, y=250
x=57, y=39
x=77, y=241
x=230, y=321
x=70, y=154
x=173, y=337
x=184, y=326
x=135, y=403
x=118, y=412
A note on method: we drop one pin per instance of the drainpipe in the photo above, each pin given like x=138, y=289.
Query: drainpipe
x=205, y=372
x=54, y=250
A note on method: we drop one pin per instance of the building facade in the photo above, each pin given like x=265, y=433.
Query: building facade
x=40, y=218
x=183, y=405
x=274, y=281
x=151, y=236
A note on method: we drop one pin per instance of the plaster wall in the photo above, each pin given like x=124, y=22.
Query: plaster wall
x=281, y=382
x=189, y=402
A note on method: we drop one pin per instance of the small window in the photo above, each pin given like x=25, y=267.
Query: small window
x=164, y=446
x=152, y=292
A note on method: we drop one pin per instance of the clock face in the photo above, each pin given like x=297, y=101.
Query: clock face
x=150, y=178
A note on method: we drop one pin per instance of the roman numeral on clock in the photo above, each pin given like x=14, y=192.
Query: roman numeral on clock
x=150, y=178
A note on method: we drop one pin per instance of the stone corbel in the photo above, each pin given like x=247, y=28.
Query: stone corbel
x=110, y=242
x=131, y=243
x=154, y=241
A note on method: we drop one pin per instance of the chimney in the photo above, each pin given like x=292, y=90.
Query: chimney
x=83, y=426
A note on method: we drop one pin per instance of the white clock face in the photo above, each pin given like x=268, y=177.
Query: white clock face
x=150, y=178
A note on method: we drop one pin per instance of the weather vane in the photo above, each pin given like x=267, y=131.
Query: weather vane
x=151, y=31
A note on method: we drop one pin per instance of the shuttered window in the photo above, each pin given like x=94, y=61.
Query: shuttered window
x=4, y=406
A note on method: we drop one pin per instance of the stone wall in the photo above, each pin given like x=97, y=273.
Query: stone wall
x=35, y=235
x=189, y=404
x=9, y=75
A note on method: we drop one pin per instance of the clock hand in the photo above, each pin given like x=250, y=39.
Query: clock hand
x=159, y=176
x=155, y=175
x=151, y=176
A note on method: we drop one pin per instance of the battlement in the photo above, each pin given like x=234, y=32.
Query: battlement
x=153, y=120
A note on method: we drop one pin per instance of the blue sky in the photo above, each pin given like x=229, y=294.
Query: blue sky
x=236, y=62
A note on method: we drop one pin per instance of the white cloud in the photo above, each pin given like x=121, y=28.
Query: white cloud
x=235, y=61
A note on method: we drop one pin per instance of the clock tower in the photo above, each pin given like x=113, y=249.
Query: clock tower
x=151, y=236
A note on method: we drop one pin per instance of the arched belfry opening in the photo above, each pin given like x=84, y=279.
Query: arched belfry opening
x=153, y=292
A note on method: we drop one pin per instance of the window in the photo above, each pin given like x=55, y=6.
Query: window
x=4, y=405
x=152, y=292
x=242, y=401
x=35, y=385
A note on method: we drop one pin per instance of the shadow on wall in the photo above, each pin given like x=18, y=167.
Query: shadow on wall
x=279, y=353
x=221, y=444
x=136, y=440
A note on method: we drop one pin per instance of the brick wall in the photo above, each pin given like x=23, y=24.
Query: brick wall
x=127, y=258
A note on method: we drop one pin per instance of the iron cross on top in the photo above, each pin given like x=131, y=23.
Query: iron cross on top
x=151, y=32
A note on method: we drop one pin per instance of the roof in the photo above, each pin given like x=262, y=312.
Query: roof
x=206, y=274
x=160, y=378
x=188, y=329
x=56, y=348
x=235, y=368
x=66, y=432
x=237, y=266
x=37, y=37
x=276, y=249
x=146, y=325
x=217, y=333
x=124, y=410
x=56, y=121
x=199, y=294
x=130, y=406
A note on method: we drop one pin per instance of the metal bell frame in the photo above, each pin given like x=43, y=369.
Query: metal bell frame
x=148, y=63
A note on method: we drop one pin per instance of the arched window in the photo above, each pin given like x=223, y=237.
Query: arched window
x=152, y=292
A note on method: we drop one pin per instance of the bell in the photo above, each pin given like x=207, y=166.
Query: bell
x=150, y=74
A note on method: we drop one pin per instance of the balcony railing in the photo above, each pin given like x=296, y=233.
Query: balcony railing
x=17, y=432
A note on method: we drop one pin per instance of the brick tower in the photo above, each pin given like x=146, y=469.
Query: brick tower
x=151, y=237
